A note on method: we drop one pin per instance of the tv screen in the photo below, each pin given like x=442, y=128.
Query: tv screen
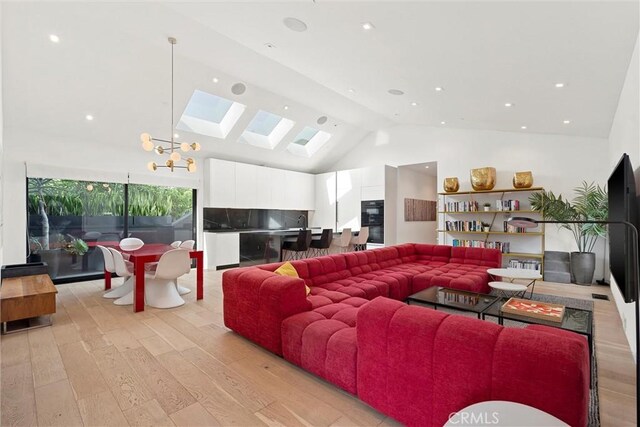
x=623, y=206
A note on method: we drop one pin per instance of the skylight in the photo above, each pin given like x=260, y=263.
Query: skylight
x=266, y=130
x=210, y=115
x=308, y=141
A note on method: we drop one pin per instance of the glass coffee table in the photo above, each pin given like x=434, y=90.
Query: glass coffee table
x=575, y=319
x=455, y=299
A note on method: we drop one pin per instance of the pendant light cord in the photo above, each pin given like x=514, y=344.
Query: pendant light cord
x=173, y=42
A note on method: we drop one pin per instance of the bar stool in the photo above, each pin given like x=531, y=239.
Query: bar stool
x=321, y=246
x=344, y=242
x=299, y=248
x=359, y=242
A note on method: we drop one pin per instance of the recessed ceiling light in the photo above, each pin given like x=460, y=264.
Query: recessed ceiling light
x=426, y=167
x=508, y=104
x=523, y=127
x=88, y=117
x=270, y=45
x=54, y=38
x=294, y=24
x=559, y=85
x=215, y=80
x=566, y=122
x=321, y=120
x=286, y=107
x=395, y=92
x=413, y=104
x=175, y=135
x=443, y=123
x=439, y=89
x=351, y=90
x=367, y=26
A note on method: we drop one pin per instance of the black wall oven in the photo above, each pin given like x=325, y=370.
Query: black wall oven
x=372, y=216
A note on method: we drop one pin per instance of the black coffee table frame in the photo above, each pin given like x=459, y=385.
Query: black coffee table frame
x=437, y=296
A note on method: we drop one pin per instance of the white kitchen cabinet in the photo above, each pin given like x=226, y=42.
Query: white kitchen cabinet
x=348, y=197
x=264, y=188
x=324, y=215
x=372, y=176
x=221, y=249
x=299, y=191
x=246, y=185
x=372, y=193
x=222, y=184
x=278, y=188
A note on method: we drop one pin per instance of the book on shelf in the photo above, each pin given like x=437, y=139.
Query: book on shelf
x=527, y=264
x=467, y=243
x=507, y=205
x=463, y=225
x=511, y=229
x=467, y=206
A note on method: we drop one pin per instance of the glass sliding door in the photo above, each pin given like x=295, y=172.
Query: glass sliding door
x=160, y=214
x=66, y=219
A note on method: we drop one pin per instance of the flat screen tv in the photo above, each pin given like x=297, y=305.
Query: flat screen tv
x=623, y=206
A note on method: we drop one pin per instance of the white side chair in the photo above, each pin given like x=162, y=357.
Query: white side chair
x=359, y=242
x=124, y=269
x=160, y=287
x=176, y=244
x=344, y=242
x=109, y=266
x=131, y=244
x=188, y=244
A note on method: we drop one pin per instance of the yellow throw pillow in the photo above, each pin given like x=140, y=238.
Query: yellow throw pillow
x=287, y=269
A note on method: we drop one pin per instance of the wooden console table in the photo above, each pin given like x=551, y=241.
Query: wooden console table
x=26, y=297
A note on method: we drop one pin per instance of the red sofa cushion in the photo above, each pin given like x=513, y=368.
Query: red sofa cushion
x=323, y=341
x=419, y=365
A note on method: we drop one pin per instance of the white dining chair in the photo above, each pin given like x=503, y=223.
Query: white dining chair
x=188, y=244
x=109, y=266
x=124, y=269
x=344, y=242
x=131, y=244
x=176, y=244
x=160, y=286
x=359, y=242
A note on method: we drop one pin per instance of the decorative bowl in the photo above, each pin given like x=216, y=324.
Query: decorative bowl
x=483, y=178
x=451, y=185
x=522, y=179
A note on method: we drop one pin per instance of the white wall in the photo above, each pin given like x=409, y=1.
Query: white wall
x=1, y=152
x=559, y=163
x=62, y=158
x=625, y=138
x=415, y=185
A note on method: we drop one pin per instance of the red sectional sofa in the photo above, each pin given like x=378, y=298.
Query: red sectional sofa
x=414, y=364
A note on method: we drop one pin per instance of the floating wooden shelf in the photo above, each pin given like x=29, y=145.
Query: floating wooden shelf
x=492, y=232
x=488, y=212
x=509, y=190
x=523, y=255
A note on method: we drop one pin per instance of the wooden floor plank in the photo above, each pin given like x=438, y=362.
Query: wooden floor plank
x=101, y=410
x=17, y=397
x=169, y=393
x=149, y=414
x=46, y=363
x=127, y=387
x=14, y=350
x=156, y=345
x=57, y=406
x=169, y=334
x=84, y=375
x=195, y=415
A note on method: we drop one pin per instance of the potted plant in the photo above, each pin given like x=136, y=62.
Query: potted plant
x=486, y=227
x=487, y=207
x=76, y=247
x=590, y=204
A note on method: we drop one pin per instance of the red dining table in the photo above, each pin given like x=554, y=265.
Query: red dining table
x=151, y=253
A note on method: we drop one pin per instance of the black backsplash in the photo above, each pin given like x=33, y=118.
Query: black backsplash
x=225, y=219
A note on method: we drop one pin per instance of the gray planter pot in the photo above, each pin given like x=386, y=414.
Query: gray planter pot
x=583, y=266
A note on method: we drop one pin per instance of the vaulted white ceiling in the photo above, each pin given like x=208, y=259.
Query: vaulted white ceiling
x=113, y=62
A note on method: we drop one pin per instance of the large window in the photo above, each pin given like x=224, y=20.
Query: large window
x=67, y=219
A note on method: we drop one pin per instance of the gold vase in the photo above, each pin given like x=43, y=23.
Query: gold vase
x=451, y=185
x=483, y=178
x=522, y=179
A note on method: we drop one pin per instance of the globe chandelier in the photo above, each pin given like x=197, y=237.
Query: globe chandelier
x=175, y=158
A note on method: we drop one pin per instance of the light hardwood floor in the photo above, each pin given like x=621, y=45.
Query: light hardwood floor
x=100, y=364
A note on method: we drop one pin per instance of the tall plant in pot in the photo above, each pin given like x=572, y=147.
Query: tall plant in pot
x=590, y=204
